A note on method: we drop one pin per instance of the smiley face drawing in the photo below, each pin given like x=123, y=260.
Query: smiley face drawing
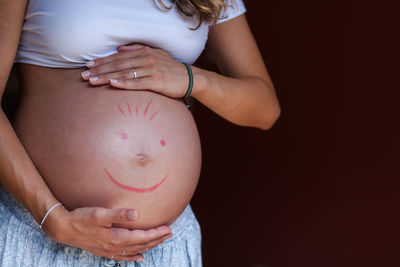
x=141, y=158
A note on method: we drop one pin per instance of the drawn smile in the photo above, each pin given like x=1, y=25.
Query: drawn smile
x=135, y=189
x=134, y=114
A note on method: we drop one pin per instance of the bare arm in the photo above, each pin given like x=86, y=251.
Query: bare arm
x=18, y=174
x=87, y=228
x=243, y=93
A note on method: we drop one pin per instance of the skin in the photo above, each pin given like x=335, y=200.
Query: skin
x=124, y=136
x=135, y=189
x=242, y=93
x=81, y=129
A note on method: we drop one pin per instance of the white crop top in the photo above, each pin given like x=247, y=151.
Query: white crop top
x=67, y=34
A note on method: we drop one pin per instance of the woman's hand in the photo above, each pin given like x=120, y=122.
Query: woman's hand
x=91, y=229
x=156, y=71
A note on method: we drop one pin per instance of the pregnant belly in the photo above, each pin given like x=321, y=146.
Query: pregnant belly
x=112, y=148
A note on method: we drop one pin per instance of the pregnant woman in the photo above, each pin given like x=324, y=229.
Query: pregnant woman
x=103, y=157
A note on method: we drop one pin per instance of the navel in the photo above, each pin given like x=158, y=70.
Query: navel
x=141, y=159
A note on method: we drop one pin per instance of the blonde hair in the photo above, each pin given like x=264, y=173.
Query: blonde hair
x=204, y=10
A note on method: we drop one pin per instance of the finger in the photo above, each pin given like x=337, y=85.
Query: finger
x=108, y=216
x=145, y=50
x=119, y=238
x=124, y=237
x=144, y=237
x=131, y=250
x=145, y=83
x=115, y=66
x=113, y=245
x=110, y=67
x=124, y=74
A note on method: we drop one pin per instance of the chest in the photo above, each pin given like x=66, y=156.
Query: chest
x=82, y=30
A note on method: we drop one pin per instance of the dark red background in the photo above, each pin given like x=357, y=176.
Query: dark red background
x=321, y=187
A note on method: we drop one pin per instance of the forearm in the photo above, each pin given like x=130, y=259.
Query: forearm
x=19, y=175
x=248, y=101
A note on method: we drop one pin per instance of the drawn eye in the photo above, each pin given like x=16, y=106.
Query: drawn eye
x=164, y=140
x=122, y=134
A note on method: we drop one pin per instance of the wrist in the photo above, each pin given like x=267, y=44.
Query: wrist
x=55, y=223
x=38, y=202
x=207, y=89
x=201, y=79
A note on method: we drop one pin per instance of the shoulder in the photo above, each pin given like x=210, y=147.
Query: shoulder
x=234, y=8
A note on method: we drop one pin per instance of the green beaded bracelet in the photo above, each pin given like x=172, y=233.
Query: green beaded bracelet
x=189, y=90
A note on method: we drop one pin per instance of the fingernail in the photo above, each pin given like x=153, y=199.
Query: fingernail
x=132, y=215
x=113, y=81
x=85, y=74
x=139, y=259
x=93, y=79
x=90, y=63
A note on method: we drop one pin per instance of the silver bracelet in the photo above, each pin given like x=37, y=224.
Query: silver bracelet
x=47, y=213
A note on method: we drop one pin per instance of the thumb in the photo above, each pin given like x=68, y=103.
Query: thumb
x=119, y=215
x=130, y=47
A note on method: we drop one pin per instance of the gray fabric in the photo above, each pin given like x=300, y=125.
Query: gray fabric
x=22, y=243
